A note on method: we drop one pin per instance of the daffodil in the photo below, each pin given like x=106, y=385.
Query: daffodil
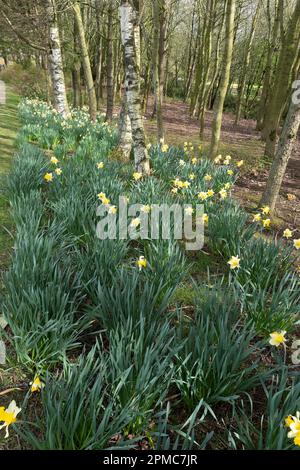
x=101, y=196
x=297, y=244
x=137, y=176
x=266, y=210
x=181, y=162
x=256, y=218
x=100, y=165
x=48, y=177
x=240, y=163
x=174, y=190
x=234, y=262
x=146, y=209
x=291, y=197
x=58, y=171
x=294, y=425
x=149, y=146
x=141, y=262
x=227, y=186
x=218, y=159
x=192, y=176
x=277, y=338
x=266, y=223
x=210, y=193
x=164, y=148
x=37, y=385
x=288, y=421
x=112, y=210
x=287, y=233
x=9, y=416
x=186, y=184
x=202, y=195
x=135, y=222
x=230, y=172
x=54, y=160
x=223, y=193
x=189, y=210
x=205, y=218
x=105, y=201
x=207, y=178
x=194, y=160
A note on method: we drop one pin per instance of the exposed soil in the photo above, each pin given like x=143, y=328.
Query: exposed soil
x=180, y=127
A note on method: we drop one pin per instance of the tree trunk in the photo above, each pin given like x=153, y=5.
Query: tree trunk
x=223, y=86
x=86, y=62
x=283, y=153
x=157, y=12
x=245, y=67
x=131, y=43
x=109, y=66
x=288, y=55
x=56, y=63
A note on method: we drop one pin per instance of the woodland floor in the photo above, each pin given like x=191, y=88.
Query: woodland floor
x=241, y=141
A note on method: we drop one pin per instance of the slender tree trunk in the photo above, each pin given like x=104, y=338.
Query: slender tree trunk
x=131, y=43
x=86, y=62
x=157, y=12
x=217, y=122
x=283, y=153
x=245, y=66
x=109, y=65
x=288, y=55
x=76, y=75
x=55, y=62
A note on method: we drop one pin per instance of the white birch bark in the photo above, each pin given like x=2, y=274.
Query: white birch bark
x=55, y=62
x=129, y=31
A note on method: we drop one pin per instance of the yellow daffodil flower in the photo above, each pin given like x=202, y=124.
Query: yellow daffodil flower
x=202, y=196
x=37, y=385
x=205, y=218
x=146, y=209
x=137, y=176
x=174, y=190
x=58, y=171
x=207, y=178
x=9, y=416
x=227, y=186
x=164, y=148
x=266, y=223
x=189, y=210
x=141, y=262
x=210, y=193
x=234, y=262
x=288, y=421
x=112, y=210
x=287, y=233
x=192, y=176
x=240, y=163
x=48, y=177
x=194, y=160
x=186, y=184
x=277, y=338
x=294, y=426
x=291, y=197
x=135, y=222
x=223, y=193
x=297, y=244
x=100, y=165
x=230, y=172
x=181, y=162
x=266, y=210
x=256, y=218
x=218, y=159
x=54, y=160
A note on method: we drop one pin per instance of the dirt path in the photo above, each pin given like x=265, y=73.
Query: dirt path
x=241, y=141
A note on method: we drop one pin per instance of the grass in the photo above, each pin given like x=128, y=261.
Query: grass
x=9, y=126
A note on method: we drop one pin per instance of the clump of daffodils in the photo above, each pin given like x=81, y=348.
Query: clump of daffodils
x=234, y=262
x=277, y=338
x=293, y=422
x=142, y=262
x=105, y=201
x=8, y=416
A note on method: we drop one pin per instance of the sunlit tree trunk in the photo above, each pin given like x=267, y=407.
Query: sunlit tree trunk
x=86, y=62
x=287, y=58
x=223, y=86
x=131, y=43
x=158, y=11
x=283, y=153
x=55, y=62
